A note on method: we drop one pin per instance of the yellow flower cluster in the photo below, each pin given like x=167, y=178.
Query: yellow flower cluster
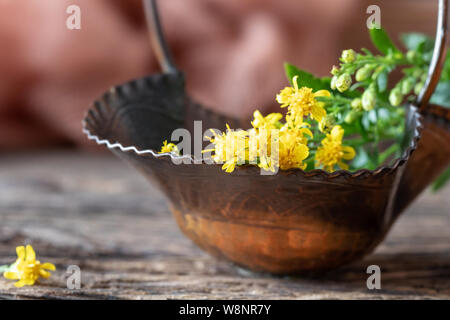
x=302, y=103
x=27, y=269
x=231, y=148
x=271, y=144
x=291, y=138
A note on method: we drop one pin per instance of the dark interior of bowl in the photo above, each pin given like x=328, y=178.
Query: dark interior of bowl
x=144, y=112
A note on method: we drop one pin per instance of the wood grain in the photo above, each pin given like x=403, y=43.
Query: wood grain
x=95, y=212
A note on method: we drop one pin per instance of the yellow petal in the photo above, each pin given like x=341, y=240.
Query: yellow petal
x=44, y=274
x=307, y=131
x=257, y=114
x=294, y=82
x=349, y=153
x=228, y=167
x=20, y=253
x=322, y=93
x=11, y=275
x=30, y=254
x=48, y=266
x=337, y=133
x=318, y=112
x=20, y=284
x=342, y=165
x=28, y=282
x=302, y=151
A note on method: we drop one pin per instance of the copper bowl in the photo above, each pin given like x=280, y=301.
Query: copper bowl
x=291, y=222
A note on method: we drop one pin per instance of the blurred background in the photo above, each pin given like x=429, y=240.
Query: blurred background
x=231, y=50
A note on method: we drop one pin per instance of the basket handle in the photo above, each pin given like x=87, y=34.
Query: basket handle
x=437, y=61
x=157, y=38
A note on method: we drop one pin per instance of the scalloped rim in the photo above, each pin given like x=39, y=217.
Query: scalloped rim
x=117, y=145
x=315, y=172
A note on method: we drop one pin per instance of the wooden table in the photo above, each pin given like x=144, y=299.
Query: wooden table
x=97, y=213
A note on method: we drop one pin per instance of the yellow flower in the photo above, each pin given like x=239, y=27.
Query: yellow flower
x=302, y=102
x=332, y=151
x=295, y=135
x=231, y=147
x=292, y=147
x=271, y=121
x=292, y=155
x=27, y=269
x=169, y=147
x=261, y=139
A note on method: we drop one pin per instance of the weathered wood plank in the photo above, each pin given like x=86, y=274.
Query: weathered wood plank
x=95, y=212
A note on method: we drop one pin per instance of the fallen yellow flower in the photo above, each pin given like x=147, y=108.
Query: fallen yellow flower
x=27, y=269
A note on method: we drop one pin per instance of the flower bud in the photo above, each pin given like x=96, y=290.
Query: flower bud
x=407, y=86
x=343, y=82
x=369, y=99
x=348, y=56
x=400, y=111
x=334, y=71
x=363, y=73
x=395, y=97
x=417, y=73
x=411, y=56
x=333, y=83
x=327, y=123
x=357, y=104
x=350, y=117
x=424, y=77
x=418, y=87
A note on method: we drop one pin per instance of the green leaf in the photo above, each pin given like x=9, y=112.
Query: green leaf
x=445, y=76
x=305, y=79
x=441, y=180
x=382, y=41
x=417, y=41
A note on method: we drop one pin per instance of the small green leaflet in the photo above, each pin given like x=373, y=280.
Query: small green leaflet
x=305, y=79
x=382, y=41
